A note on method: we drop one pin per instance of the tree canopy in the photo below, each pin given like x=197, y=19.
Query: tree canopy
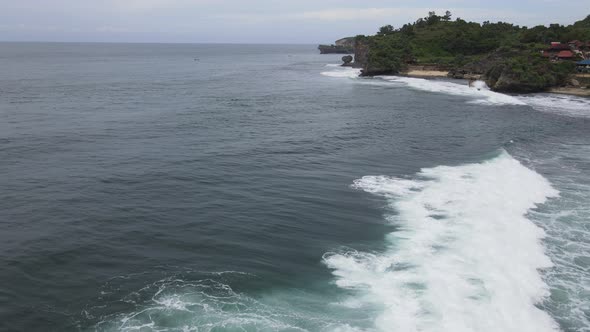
x=440, y=40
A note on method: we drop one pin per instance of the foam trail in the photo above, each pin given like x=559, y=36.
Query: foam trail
x=342, y=72
x=481, y=94
x=559, y=104
x=465, y=257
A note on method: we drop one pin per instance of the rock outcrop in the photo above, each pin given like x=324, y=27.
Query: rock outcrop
x=334, y=49
x=347, y=59
x=347, y=42
x=362, y=60
x=361, y=54
x=481, y=67
x=341, y=46
x=514, y=70
x=502, y=80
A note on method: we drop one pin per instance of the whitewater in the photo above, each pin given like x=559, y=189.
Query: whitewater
x=467, y=253
x=146, y=191
x=572, y=106
x=464, y=256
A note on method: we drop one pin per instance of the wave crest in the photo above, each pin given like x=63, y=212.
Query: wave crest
x=465, y=257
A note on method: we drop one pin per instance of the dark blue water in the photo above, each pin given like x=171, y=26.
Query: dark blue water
x=210, y=188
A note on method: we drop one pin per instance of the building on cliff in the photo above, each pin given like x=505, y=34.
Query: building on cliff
x=560, y=51
x=583, y=66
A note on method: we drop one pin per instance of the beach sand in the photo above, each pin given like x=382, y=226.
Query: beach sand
x=572, y=91
x=426, y=73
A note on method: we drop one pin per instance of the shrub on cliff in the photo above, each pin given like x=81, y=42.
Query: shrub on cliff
x=527, y=71
x=386, y=54
x=509, y=54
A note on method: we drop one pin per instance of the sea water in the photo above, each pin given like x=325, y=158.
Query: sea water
x=152, y=187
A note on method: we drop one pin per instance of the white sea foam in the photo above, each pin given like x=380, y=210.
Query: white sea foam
x=465, y=256
x=342, y=72
x=173, y=304
x=480, y=93
x=559, y=104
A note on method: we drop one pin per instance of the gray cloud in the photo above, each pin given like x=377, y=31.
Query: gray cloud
x=256, y=21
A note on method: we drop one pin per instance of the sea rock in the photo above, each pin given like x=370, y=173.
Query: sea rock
x=347, y=59
x=457, y=73
x=502, y=79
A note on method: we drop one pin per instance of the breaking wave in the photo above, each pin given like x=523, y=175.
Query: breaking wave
x=559, y=104
x=341, y=72
x=481, y=94
x=465, y=256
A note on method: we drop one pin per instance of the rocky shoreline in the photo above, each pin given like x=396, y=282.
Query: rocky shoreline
x=509, y=58
x=480, y=70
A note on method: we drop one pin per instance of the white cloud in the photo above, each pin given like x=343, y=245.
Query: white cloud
x=346, y=14
x=151, y=5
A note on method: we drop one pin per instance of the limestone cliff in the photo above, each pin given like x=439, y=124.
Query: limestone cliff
x=341, y=46
x=374, y=60
x=361, y=53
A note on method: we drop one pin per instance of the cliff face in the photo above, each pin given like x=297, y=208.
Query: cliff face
x=334, y=49
x=507, y=56
x=505, y=77
x=347, y=42
x=341, y=46
x=481, y=67
x=502, y=79
x=361, y=54
x=373, y=60
x=517, y=70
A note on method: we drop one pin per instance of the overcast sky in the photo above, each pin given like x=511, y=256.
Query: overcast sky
x=251, y=21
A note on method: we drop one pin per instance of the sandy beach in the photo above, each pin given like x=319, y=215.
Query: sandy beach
x=571, y=91
x=420, y=73
x=426, y=73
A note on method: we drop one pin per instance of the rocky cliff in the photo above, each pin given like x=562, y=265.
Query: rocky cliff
x=374, y=60
x=507, y=56
x=361, y=54
x=345, y=42
x=341, y=46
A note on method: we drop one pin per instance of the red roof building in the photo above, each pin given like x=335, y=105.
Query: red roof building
x=565, y=55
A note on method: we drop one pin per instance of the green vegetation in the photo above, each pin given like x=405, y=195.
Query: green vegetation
x=504, y=52
x=525, y=70
x=386, y=52
x=555, y=32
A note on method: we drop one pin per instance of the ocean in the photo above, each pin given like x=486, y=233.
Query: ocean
x=164, y=187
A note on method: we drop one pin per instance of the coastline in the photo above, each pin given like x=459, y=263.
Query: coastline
x=571, y=91
x=419, y=73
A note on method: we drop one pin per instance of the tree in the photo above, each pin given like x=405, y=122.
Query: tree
x=407, y=30
x=447, y=16
x=432, y=18
x=386, y=30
